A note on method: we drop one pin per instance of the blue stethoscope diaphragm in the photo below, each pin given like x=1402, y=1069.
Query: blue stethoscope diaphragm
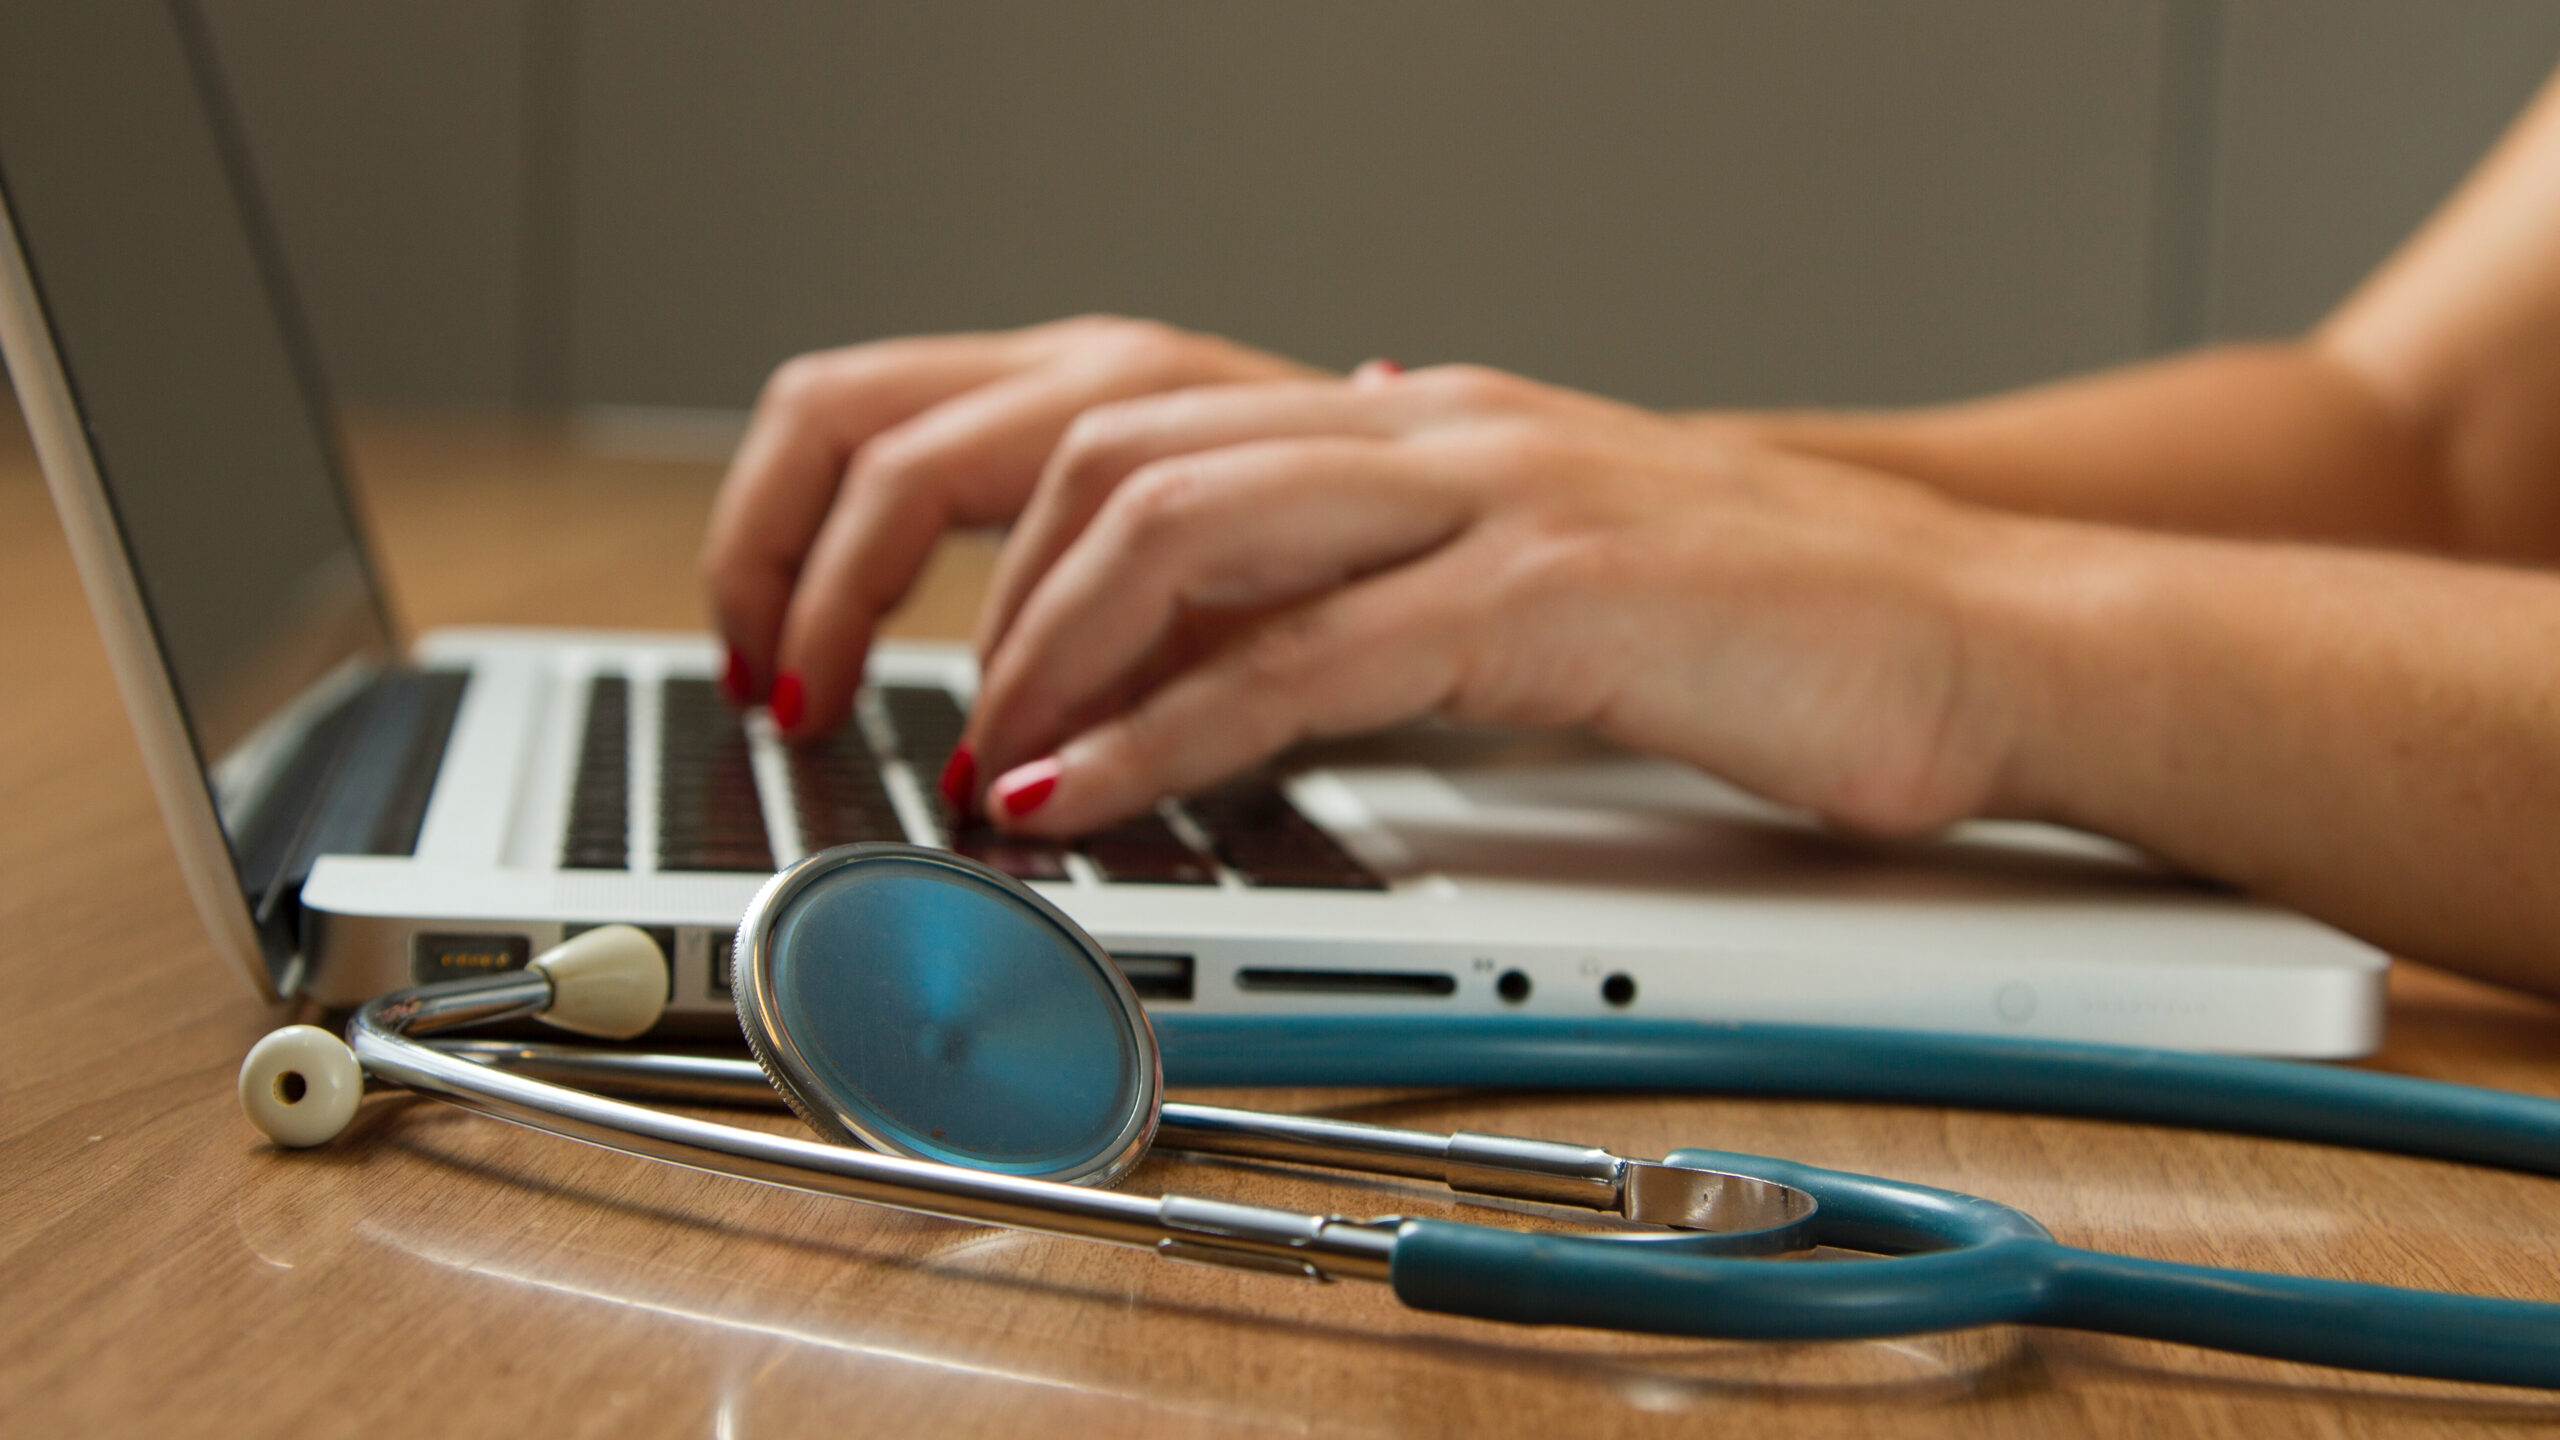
x=906, y=1001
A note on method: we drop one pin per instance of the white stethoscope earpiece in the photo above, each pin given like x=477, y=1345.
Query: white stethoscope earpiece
x=301, y=1085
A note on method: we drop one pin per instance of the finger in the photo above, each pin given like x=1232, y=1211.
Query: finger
x=970, y=460
x=1106, y=445
x=1261, y=524
x=818, y=412
x=1386, y=650
x=813, y=415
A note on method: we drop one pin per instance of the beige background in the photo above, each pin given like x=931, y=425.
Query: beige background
x=650, y=201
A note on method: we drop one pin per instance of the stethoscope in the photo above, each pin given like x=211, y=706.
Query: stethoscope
x=967, y=1051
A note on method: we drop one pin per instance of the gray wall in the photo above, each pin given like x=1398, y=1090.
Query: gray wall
x=2343, y=122
x=651, y=201
x=390, y=137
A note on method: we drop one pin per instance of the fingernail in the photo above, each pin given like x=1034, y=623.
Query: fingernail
x=789, y=696
x=1025, y=788
x=734, y=681
x=959, y=777
x=1374, y=370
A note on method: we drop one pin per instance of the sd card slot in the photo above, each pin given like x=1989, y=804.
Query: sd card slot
x=1347, y=982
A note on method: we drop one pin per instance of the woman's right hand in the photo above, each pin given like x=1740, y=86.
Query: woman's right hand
x=858, y=459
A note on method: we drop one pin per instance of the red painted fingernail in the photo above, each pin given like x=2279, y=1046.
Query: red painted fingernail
x=734, y=680
x=1025, y=788
x=959, y=777
x=789, y=697
x=1376, y=369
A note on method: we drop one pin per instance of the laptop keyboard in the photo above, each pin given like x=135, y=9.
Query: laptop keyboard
x=837, y=792
x=600, y=798
x=927, y=722
x=1262, y=837
x=710, y=816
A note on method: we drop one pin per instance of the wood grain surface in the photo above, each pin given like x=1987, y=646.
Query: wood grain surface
x=164, y=1271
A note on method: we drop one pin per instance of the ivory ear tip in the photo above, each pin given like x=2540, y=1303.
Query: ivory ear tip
x=301, y=1085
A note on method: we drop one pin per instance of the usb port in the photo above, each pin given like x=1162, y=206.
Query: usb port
x=722, y=954
x=1157, y=977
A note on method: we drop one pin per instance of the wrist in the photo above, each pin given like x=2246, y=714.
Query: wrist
x=2049, y=615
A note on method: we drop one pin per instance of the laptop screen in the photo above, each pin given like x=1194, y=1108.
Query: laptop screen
x=130, y=196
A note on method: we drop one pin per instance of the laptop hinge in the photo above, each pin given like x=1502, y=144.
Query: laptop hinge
x=358, y=784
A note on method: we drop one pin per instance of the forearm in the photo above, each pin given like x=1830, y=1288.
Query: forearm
x=2373, y=739
x=2274, y=441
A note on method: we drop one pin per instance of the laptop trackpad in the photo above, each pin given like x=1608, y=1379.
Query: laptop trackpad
x=1576, y=814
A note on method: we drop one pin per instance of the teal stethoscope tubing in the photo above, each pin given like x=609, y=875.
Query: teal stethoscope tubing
x=2288, y=1100
x=1960, y=1260
x=1963, y=1262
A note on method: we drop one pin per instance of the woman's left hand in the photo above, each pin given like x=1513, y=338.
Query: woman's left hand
x=1203, y=578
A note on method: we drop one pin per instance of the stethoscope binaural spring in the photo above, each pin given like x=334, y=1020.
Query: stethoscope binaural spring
x=973, y=1054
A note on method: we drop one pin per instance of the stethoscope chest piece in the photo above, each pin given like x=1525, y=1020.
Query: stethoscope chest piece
x=912, y=1003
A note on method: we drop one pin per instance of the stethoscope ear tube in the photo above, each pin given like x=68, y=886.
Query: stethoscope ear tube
x=1533, y=1279
x=2289, y=1100
x=1958, y=1260
x=2343, y=1323
x=1998, y=1266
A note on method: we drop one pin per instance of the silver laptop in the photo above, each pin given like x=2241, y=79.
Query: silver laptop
x=352, y=815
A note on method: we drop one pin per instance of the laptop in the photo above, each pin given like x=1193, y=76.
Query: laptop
x=353, y=813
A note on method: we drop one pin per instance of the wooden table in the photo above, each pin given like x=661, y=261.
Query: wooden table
x=163, y=1270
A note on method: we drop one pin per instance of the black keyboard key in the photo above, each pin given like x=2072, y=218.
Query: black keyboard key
x=723, y=852
x=927, y=723
x=1262, y=837
x=1251, y=824
x=1023, y=857
x=1145, y=851
x=598, y=832
x=837, y=793
x=709, y=814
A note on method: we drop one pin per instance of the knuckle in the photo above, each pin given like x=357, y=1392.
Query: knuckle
x=1091, y=324
x=1089, y=451
x=802, y=382
x=1473, y=385
x=1533, y=455
x=1159, y=501
x=816, y=380
x=1148, y=349
x=1546, y=562
x=896, y=461
x=1506, y=455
